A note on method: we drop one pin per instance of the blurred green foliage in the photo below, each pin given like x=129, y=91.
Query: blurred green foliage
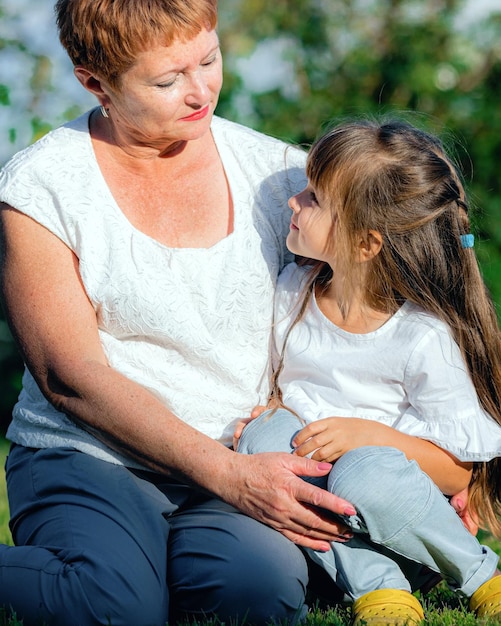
x=339, y=58
x=417, y=58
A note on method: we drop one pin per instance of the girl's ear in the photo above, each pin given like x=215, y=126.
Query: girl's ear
x=369, y=246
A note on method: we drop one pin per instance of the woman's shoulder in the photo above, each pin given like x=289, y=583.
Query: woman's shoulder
x=289, y=293
x=51, y=180
x=241, y=136
x=52, y=152
x=292, y=279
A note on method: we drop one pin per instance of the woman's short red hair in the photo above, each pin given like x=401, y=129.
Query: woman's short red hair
x=105, y=36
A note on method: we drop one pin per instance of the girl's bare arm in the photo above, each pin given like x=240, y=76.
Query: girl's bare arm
x=333, y=436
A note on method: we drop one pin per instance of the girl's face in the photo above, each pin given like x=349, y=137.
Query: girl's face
x=312, y=226
x=169, y=95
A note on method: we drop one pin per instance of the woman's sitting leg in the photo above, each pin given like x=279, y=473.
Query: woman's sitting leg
x=225, y=564
x=92, y=541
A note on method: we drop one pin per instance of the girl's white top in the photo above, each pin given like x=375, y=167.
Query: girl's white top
x=192, y=325
x=408, y=374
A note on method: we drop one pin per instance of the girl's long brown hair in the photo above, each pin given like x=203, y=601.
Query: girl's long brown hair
x=393, y=178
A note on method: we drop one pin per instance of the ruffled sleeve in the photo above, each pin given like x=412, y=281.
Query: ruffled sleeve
x=444, y=405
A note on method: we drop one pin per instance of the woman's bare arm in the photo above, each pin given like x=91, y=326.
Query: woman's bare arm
x=55, y=327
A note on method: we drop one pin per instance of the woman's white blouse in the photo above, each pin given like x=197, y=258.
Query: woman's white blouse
x=408, y=374
x=191, y=325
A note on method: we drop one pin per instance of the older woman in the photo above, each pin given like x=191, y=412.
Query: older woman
x=140, y=247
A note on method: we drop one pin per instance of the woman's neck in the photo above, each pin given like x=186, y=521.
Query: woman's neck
x=134, y=152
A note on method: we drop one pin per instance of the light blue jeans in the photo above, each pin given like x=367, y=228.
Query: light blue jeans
x=403, y=521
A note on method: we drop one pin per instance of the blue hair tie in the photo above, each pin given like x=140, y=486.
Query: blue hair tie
x=467, y=241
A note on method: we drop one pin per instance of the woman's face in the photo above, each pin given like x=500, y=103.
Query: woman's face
x=169, y=95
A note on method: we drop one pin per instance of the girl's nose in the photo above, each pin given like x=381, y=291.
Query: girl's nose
x=294, y=203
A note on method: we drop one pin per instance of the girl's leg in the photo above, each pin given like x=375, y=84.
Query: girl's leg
x=91, y=542
x=402, y=510
x=358, y=567
x=272, y=431
x=226, y=564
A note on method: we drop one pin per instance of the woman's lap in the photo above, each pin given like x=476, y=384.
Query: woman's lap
x=101, y=545
x=243, y=570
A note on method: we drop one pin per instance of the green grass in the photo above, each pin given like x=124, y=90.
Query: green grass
x=441, y=606
x=5, y=536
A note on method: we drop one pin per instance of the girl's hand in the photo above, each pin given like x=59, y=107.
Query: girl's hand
x=239, y=428
x=330, y=438
x=459, y=503
x=257, y=410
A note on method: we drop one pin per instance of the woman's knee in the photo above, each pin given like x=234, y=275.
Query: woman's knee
x=268, y=587
x=241, y=571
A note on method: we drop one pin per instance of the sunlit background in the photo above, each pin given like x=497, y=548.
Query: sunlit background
x=291, y=66
x=42, y=91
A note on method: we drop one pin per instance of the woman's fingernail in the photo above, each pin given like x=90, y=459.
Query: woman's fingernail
x=349, y=510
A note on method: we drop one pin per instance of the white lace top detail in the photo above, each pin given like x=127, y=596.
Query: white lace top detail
x=408, y=374
x=191, y=325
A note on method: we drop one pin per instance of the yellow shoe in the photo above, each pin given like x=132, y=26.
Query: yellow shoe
x=385, y=607
x=486, y=601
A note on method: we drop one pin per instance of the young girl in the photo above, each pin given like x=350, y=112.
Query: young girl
x=389, y=328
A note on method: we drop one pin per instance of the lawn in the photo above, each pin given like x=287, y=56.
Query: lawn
x=5, y=536
x=442, y=607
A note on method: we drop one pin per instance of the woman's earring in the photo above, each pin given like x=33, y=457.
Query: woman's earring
x=104, y=111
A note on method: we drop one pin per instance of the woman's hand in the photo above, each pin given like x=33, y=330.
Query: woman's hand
x=272, y=492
